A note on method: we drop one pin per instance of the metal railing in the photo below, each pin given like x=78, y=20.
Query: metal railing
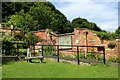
x=77, y=51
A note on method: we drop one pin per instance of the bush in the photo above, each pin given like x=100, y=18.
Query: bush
x=114, y=59
x=111, y=45
x=23, y=51
x=99, y=57
x=8, y=48
x=48, y=51
x=91, y=54
x=82, y=55
x=68, y=56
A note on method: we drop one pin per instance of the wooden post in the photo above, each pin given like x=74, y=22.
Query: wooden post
x=104, y=55
x=87, y=41
x=12, y=49
x=3, y=49
x=34, y=49
x=58, y=52
x=78, y=55
x=42, y=50
x=17, y=50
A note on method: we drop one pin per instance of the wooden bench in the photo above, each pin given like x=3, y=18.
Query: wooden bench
x=29, y=56
x=29, y=59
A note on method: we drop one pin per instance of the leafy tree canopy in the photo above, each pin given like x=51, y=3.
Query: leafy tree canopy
x=35, y=16
x=118, y=30
x=84, y=23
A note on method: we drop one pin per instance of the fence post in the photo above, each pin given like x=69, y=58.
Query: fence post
x=58, y=52
x=42, y=50
x=17, y=50
x=104, y=55
x=78, y=55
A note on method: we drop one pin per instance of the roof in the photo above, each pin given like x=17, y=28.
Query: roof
x=40, y=31
x=66, y=34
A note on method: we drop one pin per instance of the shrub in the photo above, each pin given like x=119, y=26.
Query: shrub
x=23, y=51
x=91, y=54
x=48, y=51
x=60, y=54
x=69, y=56
x=114, y=59
x=99, y=57
x=111, y=45
x=82, y=55
x=8, y=48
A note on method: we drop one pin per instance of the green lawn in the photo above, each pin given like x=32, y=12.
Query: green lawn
x=52, y=69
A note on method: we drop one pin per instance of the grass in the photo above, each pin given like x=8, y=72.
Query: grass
x=52, y=69
x=0, y=72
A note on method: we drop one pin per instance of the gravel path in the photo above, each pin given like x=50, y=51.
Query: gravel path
x=84, y=62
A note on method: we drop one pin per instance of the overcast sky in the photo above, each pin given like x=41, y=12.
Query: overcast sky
x=103, y=12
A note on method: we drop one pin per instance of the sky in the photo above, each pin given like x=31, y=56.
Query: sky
x=102, y=12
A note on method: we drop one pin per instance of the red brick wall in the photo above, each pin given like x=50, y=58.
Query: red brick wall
x=80, y=37
x=41, y=34
x=111, y=52
x=117, y=48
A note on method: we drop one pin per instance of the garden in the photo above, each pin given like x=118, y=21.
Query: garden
x=66, y=67
x=27, y=18
x=52, y=68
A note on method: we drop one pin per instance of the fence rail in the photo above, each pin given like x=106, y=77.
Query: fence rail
x=58, y=49
x=77, y=50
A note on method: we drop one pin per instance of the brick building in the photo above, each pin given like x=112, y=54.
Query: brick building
x=83, y=37
x=8, y=31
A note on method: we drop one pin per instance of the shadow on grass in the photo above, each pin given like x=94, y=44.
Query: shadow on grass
x=37, y=62
x=33, y=61
x=9, y=62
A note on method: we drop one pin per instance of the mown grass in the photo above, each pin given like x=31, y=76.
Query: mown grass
x=52, y=69
x=0, y=72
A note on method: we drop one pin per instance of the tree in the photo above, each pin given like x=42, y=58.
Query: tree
x=103, y=36
x=7, y=47
x=118, y=30
x=10, y=8
x=30, y=38
x=84, y=23
x=22, y=20
x=68, y=27
x=113, y=35
x=36, y=16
